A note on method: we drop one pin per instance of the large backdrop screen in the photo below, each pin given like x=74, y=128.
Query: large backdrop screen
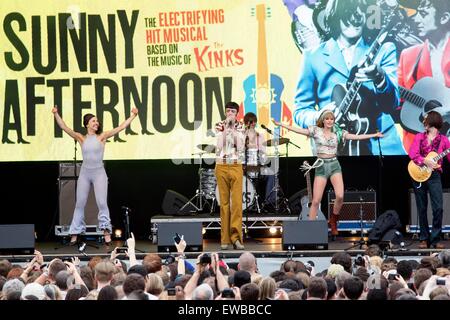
x=179, y=62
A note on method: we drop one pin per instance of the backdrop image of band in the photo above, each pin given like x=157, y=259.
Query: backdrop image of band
x=378, y=65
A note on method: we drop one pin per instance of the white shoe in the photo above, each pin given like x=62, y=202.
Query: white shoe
x=224, y=246
x=238, y=245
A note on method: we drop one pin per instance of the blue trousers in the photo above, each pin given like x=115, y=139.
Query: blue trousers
x=433, y=186
x=97, y=177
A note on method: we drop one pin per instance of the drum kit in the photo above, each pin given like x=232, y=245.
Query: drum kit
x=255, y=167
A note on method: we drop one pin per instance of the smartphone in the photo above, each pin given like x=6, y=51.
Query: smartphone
x=121, y=249
x=440, y=281
x=177, y=238
x=171, y=291
x=392, y=276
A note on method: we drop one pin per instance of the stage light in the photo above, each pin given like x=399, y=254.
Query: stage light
x=281, y=229
x=273, y=230
x=118, y=233
x=203, y=230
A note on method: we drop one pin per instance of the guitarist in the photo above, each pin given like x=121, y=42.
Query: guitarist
x=431, y=58
x=327, y=135
x=423, y=144
x=331, y=64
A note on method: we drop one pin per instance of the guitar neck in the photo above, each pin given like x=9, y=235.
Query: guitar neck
x=262, y=72
x=412, y=97
x=308, y=186
x=441, y=155
x=354, y=87
x=370, y=57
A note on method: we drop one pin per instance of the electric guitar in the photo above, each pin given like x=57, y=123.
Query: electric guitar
x=426, y=95
x=306, y=201
x=348, y=99
x=423, y=173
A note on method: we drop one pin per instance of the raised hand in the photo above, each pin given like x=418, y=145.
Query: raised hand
x=55, y=109
x=135, y=111
x=131, y=243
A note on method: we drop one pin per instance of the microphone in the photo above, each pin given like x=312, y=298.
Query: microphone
x=126, y=208
x=267, y=129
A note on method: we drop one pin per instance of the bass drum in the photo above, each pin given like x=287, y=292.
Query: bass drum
x=249, y=195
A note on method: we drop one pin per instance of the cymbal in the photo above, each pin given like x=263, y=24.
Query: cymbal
x=272, y=142
x=209, y=148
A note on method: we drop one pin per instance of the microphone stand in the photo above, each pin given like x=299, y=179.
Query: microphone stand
x=126, y=222
x=276, y=187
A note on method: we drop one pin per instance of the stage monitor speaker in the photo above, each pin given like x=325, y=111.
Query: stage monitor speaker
x=174, y=201
x=192, y=232
x=413, y=208
x=67, y=170
x=67, y=195
x=305, y=234
x=17, y=239
x=354, y=201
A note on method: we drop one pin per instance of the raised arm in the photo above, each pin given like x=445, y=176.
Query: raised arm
x=77, y=136
x=350, y=136
x=291, y=128
x=126, y=123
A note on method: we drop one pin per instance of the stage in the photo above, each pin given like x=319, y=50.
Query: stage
x=260, y=247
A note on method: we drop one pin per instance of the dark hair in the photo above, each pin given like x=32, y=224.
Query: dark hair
x=337, y=10
x=107, y=293
x=344, y=259
x=317, y=288
x=353, y=288
x=77, y=292
x=404, y=269
x=232, y=105
x=249, y=291
x=87, y=117
x=250, y=117
x=241, y=277
x=442, y=7
x=331, y=288
x=433, y=119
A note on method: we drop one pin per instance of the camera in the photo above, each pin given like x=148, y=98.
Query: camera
x=205, y=258
x=171, y=291
x=121, y=249
x=228, y=293
x=440, y=281
x=169, y=260
x=359, y=261
x=392, y=276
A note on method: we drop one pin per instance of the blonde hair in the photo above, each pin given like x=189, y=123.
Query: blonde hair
x=267, y=288
x=322, y=117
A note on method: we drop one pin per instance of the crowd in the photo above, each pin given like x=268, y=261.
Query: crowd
x=365, y=277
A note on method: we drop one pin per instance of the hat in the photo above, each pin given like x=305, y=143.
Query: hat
x=12, y=285
x=334, y=270
x=33, y=289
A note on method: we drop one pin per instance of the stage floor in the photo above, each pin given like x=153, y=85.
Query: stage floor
x=261, y=247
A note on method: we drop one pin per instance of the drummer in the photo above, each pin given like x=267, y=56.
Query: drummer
x=255, y=148
x=256, y=160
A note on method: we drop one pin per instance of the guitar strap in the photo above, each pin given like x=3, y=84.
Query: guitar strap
x=416, y=65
